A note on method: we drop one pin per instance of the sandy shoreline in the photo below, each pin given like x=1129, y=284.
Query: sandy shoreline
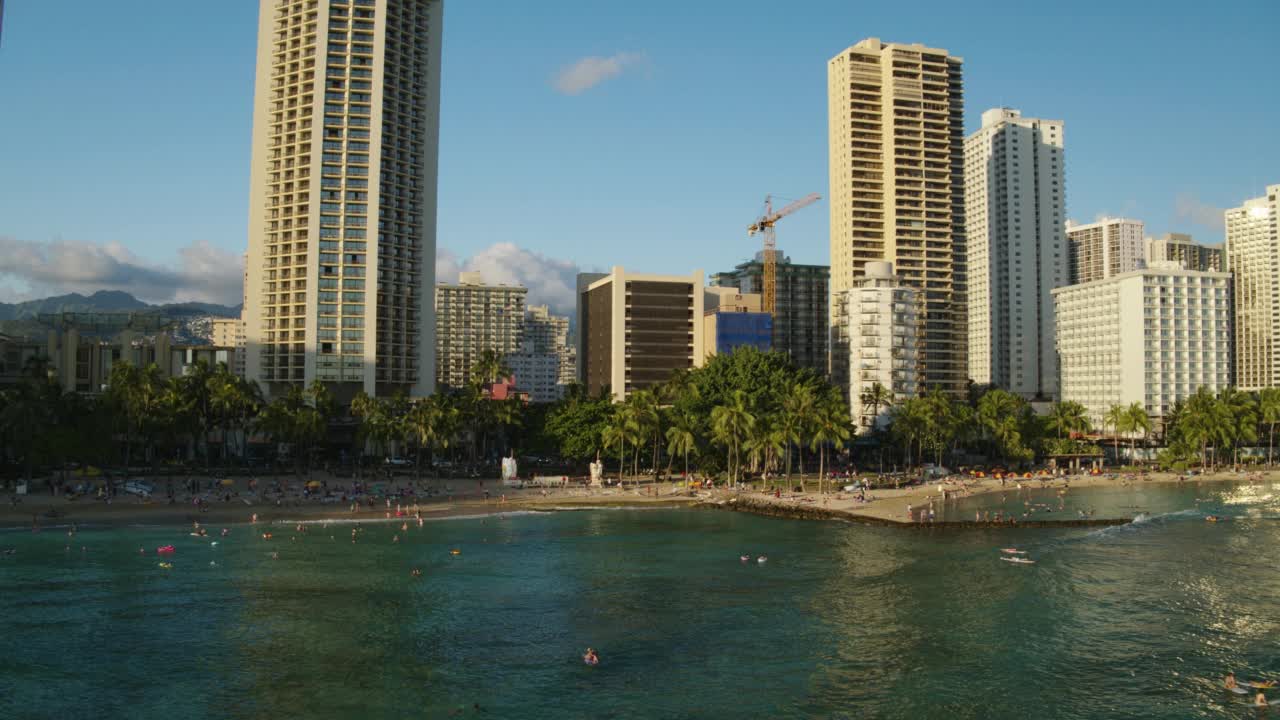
x=888, y=507
x=127, y=510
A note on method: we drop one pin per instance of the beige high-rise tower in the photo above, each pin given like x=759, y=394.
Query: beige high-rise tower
x=896, y=124
x=1253, y=258
x=342, y=213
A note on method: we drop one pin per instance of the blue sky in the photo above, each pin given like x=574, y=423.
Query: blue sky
x=126, y=125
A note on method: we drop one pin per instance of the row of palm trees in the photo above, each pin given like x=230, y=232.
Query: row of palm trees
x=210, y=413
x=767, y=434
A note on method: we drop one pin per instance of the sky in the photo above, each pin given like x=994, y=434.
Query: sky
x=582, y=134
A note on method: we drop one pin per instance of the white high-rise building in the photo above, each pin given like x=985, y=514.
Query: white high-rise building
x=895, y=116
x=1253, y=257
x=1102, y=249
x=1014, y=210
x=342, y=218
x=1152, y=336
x=881, y=316
x=547, y=362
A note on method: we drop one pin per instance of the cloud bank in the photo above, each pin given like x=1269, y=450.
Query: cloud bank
x=203, y=273
x=588, y=72
x=550, y=281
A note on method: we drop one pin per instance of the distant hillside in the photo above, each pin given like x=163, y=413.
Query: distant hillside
x=19, y=319
x=108, y=301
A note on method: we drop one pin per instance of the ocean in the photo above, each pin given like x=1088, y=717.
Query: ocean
x=841, y=621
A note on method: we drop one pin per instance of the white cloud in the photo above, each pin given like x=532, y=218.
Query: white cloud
x=204, y=273
x=550, y=281
x=1189, y=208
x=208, y=274
x=591, y=71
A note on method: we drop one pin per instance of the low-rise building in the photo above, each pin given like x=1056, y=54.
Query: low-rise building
x=81, y=361
x=881, y=318
x=732, y=319
x=1151, y=336
x=635, y=330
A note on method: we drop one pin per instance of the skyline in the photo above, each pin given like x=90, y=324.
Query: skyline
x=689, y=177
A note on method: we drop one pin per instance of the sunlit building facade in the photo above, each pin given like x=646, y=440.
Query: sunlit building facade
x=341, y=262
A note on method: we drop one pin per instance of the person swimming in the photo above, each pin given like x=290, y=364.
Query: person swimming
x=762, y=559
x=590, y=657
x=1260, y=700
x=1230, y=681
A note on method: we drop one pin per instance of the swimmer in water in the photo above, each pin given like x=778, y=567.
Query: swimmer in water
x=1230, y=681
x=1260, y=700
x=590, y=657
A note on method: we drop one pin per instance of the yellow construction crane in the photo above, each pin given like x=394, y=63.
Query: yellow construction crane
x=765, y=225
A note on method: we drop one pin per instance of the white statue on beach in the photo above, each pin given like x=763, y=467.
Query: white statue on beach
x=508, y=469
x=597, y=472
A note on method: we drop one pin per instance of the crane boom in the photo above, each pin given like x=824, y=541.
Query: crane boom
x=765, y=225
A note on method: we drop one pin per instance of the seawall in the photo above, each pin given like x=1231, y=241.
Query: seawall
x=802, y=512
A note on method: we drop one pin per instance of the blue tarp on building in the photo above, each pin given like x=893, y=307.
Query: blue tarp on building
x=736, y=329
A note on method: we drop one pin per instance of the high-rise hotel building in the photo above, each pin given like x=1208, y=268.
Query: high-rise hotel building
x=342, y=215
x=1014, y=209
x=1253, y=258
x=1103, y=249
x=896, y=143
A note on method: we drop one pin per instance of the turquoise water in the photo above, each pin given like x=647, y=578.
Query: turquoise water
x=842, y=621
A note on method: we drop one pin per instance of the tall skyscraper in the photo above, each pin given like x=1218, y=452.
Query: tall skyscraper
x=1103, y=249
x=1014, y=209
x=1253, y=258
x=342, y=212
x=896, y=142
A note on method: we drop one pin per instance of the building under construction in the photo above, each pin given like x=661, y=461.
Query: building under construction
x=800, y=317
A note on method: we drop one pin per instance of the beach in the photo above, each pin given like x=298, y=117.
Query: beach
x=467, y=497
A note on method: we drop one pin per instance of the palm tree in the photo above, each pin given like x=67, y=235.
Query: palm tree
x=1269, y=413
x=908, y=423
x=1241, y=412
x=730, y=424
x=137, y=393
x=423, y=422
x=831, y=425
x=489, y=368
x=1136, y=421
x=1117, y=418
x=1203, y=422
x=1068, y=417
x=999, y=413
x=645, y=411
x=875, y=397
x=797, y=417
x=681, y=440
